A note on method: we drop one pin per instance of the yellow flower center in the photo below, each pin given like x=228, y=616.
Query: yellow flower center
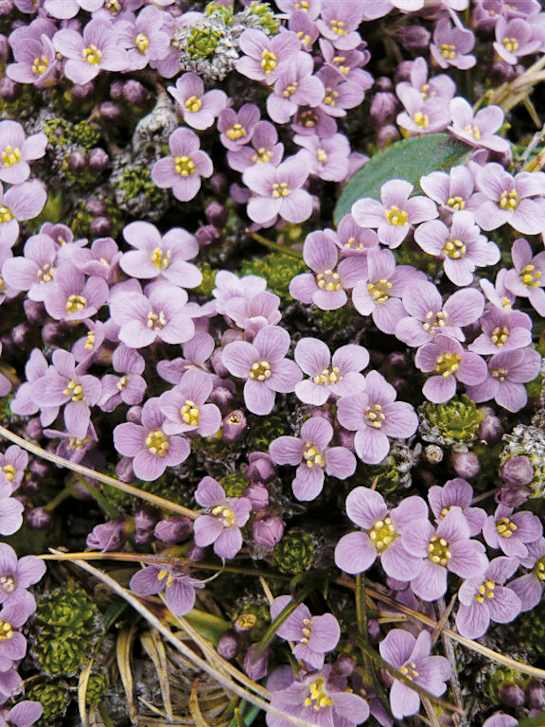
x=308, y=119
x=280, y=189
x=262, y=156
x=448, y=51
x=156, y=321
x=473, y=131
x=260, y=371
x=166, y=576
x=306, y=630
x=190, y=413
x=510, y=44
x=328, y=376
x=40, y=65
x=383, y=534
x=141, y=42
x=184, y=165
x=321, y=156
x=505, y=527
x=75, y=303
x=530, y=276
x=158, y=443
x=539, y=569
x=46, y=273
x=353, y=244
x=331, y=96
x=456, y=203
x=122, y=383
x=193, y=104
x=509, y=200
x=445, y=511
x=395, y=216
x=312, y=456
x=447, y=364
x=500, y=374
x=454, y=249
x=7, y=583
x=486, y=591
x=5, y=214
x=409, y=670
x=236, y=132
x=303, y=5
x=337, y=26
x=438, y=551
x=379, y=290
x=339, y=63
x=290, y=89
x=74, y=390
x=9, y=472
x=269, y=61
x=434, y=321
x=78, y=442
x=2, y=284
x=92, y=55
x=318, y=698
x=499, y=336
x=89, y=341
x=329, y=280
x=225, y=514
x=6, y=630
x=114, y=6
x=421, y=120
x=160, y=258
x=374, y=416
x=10, y=156
x=246, y=621
x=425, y=91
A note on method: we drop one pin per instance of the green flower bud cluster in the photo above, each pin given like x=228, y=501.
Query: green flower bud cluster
x=65, y=629
x=81, y=219
x=202, y=42
x=502, y=677
x=235, y=484
x=262, y=16
x=61, y=132
x=220, y=12
x=529, y=441
x=295, y=553
x=277, y=269
x=455, y=423
x=54, y=696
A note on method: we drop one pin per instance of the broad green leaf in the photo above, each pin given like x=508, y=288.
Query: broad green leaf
x=409, y=159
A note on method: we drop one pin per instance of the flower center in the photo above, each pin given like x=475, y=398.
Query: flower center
x=331, y=96
x=379, y=290
x=539, y=569
x=166, y=576
x=2, y=284
x=160, y=258
x=409, y=670
x=262, y=155
x=8, y=584
x=321, y=156
x=425, y=91
x=454, y=249
x=500, y=374
x=509, y=200
x=421, y=120
x=193, y=104
x=225, y=514
x=92, y=55
x=158, y=443
x=505, y=527
x=486, y=591
x=448, y=51
x=511, y=44
x=75, y=303
x=40, y=65
x=447, y=364
x=46, y=273
x=337, y=26
x=383, y=534
x=438, y=551
x=6, y=630
x=89, y=341
x=122, y=383
x=306, y=630
x=190, y=413
x=246, y=621
x=141, y=42
x=530, y=276
x=339, y=63
x=10, y=156
x=5, y=214
x=375, y=416
x=395, y=216
x=456, y=203
x=74, y=390
x=329, y=280
x=269, y=61
x=113, y=6
x=473, y=130
x=78, y=442
x=499, y=336
x=318, y=698
x=353, y=244
x=435, y=320
x=184, y=165
x=328, y=376
x=260, y=371
x=280, y=189
x=9, y=472
x=156, y=321
x=308, y=118
x=236, y=132
x=445, y=511
x=303, y=5
x=312, y=456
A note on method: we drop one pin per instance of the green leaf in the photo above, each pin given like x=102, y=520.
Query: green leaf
x=409, y=159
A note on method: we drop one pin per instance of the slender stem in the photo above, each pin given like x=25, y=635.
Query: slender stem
x=63, y=495
x=361, y=609
x=274, y=246
x=155, y=500
x=269, y=634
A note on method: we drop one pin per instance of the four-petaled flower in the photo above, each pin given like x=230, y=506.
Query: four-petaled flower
x=183, y=168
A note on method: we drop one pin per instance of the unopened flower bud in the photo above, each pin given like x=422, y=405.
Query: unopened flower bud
x=98, y=159
x=383, y=107
x=124, y=470
x=256, y=663
x=101, y=226
x=465, y=464
x=6, y=7
x=144, y=519
x=387, y=135
x=39, y=467
x=38, y=518
x=433, y=454
x=134, y=414
x=107, y=536
x=20, y=334
x=490, y=429
x=206, y=235
x=216, y=214
x=535, y=694
x=195, y=552
x=52, y=332
x=135, y=93
x=116, y=90
x=9, y=90
x=222, y=396
x=228, y=645
x=173, y=530
x=512, y=695
x=517, y=471
x=77, y=161
x=218, y=183
x=81, y=91
x=95, y=207
x=110, y=111
x=233, y=426
x=34, y=311
x=260, y=468
x=344, y=665
x=268, y=532
x=258, y=495
x=413, y=37
x=34, y=429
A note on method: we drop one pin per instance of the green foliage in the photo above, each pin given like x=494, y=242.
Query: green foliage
x=222, y=12
x=234, y=484
x=262, y=430
x=454, y=423
x=202, y=42
x=61, y=132
x=409, y=159
x=54, y=698
x=97, y=687
x=208, y=282
x=267, y=20
x=277, y=269
x=134, y=189
x=295, y=553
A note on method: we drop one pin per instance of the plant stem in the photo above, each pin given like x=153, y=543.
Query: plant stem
x=274, y=245
x=269, y=634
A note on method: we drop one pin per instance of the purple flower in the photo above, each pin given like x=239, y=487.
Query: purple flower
x=486, y=598
x=35, y=270
x=185, y=406
x=277, y=191
x=196, y=352
x=497, y=293
x=107, y=536
x=237, y=127
x=162, y=314
x=328, y=158
x=456, y=493
x=379, y=292
x=449, y=362
x=441, y=86
x=452, y=45
x=24, y=714
x=229, y=286
x=353, y=239
x=395, y=214
x=264, y=367
x=511, y=533
x=36, y=60
x=24, y=403
x=478, y=129
x=517, y=201
x=11, y=512
x=251, y=314
x=129, y=388
x=313, y=457
x=314, y=636
x=422, y=115
x=13, y=646
x=339, y=94
x=266, y=57
x=66, y=9
x=527, y=279
x=375, y=416
x=339, y=23
x=311, y=8
x=327, y=287
x=445, y=548
x=294, y=87
x=529, y=587
x=428, y=316
x=503, y=330
x=74, y=297
x=223, y=519
x=16, y=150
x=17, y=575
x=508, y=371
x=328, y=377
x=317, y=698
x=185, y=166
x=22, y=202
x=97, y=50
x=501, y=720
x=263, y=149
x=454, y=190
x=151, y=447
x=178, y=587
x=199, y=109
x=382, y=534
x=411, y=656
x=514, y=38
x=164, y=257
x=143, y=38
x=13, y=463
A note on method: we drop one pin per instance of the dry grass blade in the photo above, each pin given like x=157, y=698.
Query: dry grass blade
x=82, y=692
x=195, y=709
x=123, y=654
x=155, y=649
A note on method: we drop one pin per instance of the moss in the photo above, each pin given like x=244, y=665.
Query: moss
x=54, y=696
x=202, y=42
x=262, y=430
x=295, y=553
x=208, y=280
x=235, y=484
x=277, y=269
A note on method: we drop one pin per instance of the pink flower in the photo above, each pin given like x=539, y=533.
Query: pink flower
x=97, y=50
x=16, y=150
x=527, y=279
x=478, y=129
x=183, y=169
x=452, y=45
x=199, y=109
x=266, y=57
